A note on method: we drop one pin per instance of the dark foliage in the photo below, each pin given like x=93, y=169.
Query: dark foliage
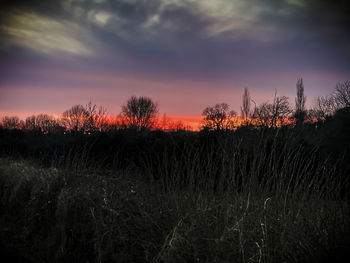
x=148, y=151
x=154, y=196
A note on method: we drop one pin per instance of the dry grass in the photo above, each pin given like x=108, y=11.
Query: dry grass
x=222, y=204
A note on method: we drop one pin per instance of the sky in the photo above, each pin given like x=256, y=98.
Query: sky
x=184, y=54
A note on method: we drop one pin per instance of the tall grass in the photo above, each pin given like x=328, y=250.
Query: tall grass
x=208, y=199
x=226, y=166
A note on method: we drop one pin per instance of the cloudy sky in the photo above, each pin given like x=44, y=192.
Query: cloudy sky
x=184, y=54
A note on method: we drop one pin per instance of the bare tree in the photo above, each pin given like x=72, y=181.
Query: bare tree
x=219, y=117
x=273, y=114
x=341, y=95
x=96, y=117
x=31, y=123
x=42, y=122
x=323, y=109
x=300, y=112
x=262, y=114
x=140, y=113
x=327, y=106
x=280, y=110
x=11, y=122
x=75, y=118
x=245, y=109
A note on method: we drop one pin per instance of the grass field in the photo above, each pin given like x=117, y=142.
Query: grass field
x=218, y=203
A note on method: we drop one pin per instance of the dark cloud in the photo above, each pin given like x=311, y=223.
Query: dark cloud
x=198, y=38
x=48, y=7
x=176, y=51
x=135, y=12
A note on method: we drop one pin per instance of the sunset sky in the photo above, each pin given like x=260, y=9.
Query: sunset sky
x=184, y=54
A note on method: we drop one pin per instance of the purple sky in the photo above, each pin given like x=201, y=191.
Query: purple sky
x=184, y=54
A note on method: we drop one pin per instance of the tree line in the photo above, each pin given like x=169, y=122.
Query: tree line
x=279, y=112
x=142, y=113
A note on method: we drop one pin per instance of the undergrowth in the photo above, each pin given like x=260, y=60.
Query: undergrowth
x=218, y=201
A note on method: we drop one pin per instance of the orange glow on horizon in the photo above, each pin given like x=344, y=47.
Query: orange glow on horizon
x=169, y=123
x=194, y=123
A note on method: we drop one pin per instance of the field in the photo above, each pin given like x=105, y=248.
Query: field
x=271, y=195
x=174, y=131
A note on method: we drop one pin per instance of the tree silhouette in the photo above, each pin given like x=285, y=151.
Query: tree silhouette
x=43, y=123
x=273, y=114
x=11, y=122
x=323, y=109
x=245, y=109
x=75, y=118
x=139, y=113
x=300, y=112
x=327, y=106
x=341, y=95
x=262, y=114
x=218, y=118
x=90, y=118
x=96, y=117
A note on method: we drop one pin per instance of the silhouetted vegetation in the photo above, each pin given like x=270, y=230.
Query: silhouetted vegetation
x=139, y=113
x=246, y=103
x=300, y=111
x=273, y=189
x=273, y=114
x=219, y=118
